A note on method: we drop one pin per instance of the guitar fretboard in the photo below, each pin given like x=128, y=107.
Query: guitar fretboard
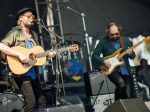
x=125, y=52
x=44, y=54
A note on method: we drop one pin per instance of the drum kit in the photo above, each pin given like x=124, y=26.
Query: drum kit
x=11, y=102
x=10, y=99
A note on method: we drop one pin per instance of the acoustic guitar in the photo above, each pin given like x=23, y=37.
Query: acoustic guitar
x=37, y=57
x=115, y=58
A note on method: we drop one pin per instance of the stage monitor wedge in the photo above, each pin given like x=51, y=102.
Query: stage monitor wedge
x=128, y=105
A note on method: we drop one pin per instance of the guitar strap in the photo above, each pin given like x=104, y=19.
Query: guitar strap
x=121, y=42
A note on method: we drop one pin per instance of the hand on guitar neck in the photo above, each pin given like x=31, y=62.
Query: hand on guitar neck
x=129, y=51
x=52, y=54
x=72, y=48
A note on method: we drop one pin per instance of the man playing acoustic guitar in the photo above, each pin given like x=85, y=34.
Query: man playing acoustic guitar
x=25, y=38
x=21, y=35
x=120, y=75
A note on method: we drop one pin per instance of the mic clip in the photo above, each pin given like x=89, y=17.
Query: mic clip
x=38, y=21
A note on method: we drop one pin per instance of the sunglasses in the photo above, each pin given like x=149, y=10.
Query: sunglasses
x=114, y=34
x=29, y=16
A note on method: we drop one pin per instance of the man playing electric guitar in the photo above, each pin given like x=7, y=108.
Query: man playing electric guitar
x=120, y=74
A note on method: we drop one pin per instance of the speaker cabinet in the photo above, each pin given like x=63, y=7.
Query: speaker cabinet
x=97, y=83
x=147, y=104
x=128, y=105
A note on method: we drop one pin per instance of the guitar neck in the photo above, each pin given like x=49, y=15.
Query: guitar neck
x=137, y=44
x=44, y=54
x=61, y=50
x=125, y=52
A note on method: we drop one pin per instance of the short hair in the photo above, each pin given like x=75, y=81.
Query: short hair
x=112, y=24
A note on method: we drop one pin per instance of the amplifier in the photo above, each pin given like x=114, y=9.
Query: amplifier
x=97, y=83
x=128, y=105
x=147, y=104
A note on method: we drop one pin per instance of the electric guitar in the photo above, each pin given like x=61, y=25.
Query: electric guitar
x=115, y=58
x=37, y=57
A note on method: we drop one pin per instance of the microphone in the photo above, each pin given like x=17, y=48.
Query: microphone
x=38, y=21
x=68, y=7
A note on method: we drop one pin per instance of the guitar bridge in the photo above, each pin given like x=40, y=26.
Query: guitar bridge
x=26, y=64
x=30, y=63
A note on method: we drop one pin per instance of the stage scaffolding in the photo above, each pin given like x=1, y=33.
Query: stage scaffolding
x=55, y=40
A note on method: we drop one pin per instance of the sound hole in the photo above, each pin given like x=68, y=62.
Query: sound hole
x=32, y=56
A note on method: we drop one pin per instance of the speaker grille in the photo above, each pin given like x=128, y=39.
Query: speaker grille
x=96, y=81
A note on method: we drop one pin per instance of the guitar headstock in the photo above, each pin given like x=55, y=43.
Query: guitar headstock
x=146, y=40
x=73, y=47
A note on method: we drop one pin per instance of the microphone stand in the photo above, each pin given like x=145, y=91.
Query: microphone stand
x=85, y=34
x=39, y=27
x=101, y=85
x=60, y=21
x=58, y=67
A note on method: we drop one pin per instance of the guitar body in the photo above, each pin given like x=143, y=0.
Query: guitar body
x=17, y=67
x=114, y=61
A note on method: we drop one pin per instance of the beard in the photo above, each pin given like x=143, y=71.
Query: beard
x=28, y=24
x=115, y=38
